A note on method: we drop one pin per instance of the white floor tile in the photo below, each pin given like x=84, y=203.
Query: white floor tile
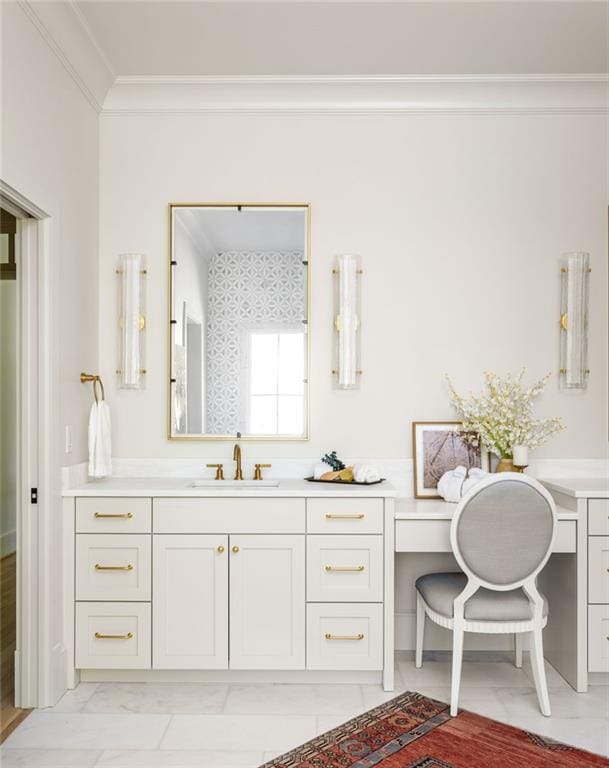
x=74, y=700
x=564, y=703
x=479, y=674
x=245, y=732
x=43, y=730
x=294, y=699
x=48, y=758
x=158, y=698
x=180, y=758
x=590, y=734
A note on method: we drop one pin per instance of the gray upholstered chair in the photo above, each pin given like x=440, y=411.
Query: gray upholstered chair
x=501, y=534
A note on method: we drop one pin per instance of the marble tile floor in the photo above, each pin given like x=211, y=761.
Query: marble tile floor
x=180, y=725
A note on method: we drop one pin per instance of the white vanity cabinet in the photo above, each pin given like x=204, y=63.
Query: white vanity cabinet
x=212, y=582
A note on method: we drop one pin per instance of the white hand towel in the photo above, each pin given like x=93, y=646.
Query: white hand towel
x=100, y=441
x=451, y=483
x=365, y=473
x=475, y=475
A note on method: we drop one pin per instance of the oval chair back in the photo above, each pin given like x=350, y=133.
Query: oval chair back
x=502, y=531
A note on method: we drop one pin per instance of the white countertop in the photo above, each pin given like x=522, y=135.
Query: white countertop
x=182, y=486
x=437, y=509
x=580, y=487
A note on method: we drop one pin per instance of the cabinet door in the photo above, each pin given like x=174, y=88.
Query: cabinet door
x=190, y=602
x=267, y=602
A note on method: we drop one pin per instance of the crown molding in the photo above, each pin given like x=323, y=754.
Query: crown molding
x=359, y=95
x=64, y=30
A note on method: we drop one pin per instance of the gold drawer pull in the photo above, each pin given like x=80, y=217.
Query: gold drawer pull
x=330, y=516
x=99, y=636
x=99, y=567
x=344, y=637
x=356, y=568
x=125, y=516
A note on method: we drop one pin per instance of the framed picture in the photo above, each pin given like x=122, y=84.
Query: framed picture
x=439, y=446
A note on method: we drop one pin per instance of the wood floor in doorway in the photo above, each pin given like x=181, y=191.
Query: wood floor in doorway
x=10, y=716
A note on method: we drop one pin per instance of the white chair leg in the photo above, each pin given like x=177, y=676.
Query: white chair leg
x=539, y=671
x=418, y=658
x=517, y=650
x=456, y=670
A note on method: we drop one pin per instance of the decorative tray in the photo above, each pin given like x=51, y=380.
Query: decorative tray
x=343, y=482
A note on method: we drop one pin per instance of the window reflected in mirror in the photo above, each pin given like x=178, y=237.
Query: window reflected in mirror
x=239, y=298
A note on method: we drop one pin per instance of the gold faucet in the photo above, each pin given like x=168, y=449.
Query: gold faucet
x=237, y=458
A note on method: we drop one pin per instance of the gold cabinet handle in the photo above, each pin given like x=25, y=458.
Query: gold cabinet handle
x=344, y=568
x=329, y=516
x=235, y=549
x=220, y=549
x=99, y=567
x=100, y=636
x=344, y=637
x=126, y=516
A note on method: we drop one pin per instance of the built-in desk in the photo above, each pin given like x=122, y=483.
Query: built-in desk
x=423, y=526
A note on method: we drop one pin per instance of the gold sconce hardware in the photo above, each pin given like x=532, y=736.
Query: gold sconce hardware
x=345, y=568
x=235, y=549
x=220, y=549
x=143, y=371
x=358, y=371
x=564, y=321
x=125, y=516
x=99, y=636
x=142, y=271
x=330, y=516
x=141, y=323
x=336, y=271
x=95, y=379
x=258, y=470
x=219, y=470
x=99, y=567
x=348, y=637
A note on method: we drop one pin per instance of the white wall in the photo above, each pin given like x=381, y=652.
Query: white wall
x=459, y=219
x=8, y=414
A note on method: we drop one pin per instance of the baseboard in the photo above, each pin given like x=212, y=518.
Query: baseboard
x=8, y=543
x=227, y=676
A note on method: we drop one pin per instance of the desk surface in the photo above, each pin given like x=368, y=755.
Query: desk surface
x=580, y=487
x=438, y=509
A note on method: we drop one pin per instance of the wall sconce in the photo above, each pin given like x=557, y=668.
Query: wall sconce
x=575, y=277
x=347, y=303
x=132, y=320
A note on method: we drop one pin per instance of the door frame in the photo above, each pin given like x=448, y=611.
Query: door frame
x=33, y=673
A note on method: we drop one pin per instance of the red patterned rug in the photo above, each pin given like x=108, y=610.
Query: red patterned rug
x=412, y=731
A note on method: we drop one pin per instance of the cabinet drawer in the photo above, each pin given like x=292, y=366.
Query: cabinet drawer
x=434, y=536
x=344, y=636
x=212, y=515
x=113, y=515
x=344, y=516
x=598, y=638
x=345, y=568
x=598, y=517
x=112, y=636
x=110, y=567
x=598, y=569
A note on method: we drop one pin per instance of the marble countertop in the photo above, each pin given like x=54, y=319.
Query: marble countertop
x=438, y=509
x=175, y=487
x=579, y=487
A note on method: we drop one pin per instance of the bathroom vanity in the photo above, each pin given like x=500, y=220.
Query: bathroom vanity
x=169, y=576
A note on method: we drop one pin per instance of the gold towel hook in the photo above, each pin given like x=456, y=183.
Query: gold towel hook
x=95, y=379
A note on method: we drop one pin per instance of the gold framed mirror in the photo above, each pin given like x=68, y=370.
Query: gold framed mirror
x=239, y=304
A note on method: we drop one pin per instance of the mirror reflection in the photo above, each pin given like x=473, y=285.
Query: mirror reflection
x=239, y=296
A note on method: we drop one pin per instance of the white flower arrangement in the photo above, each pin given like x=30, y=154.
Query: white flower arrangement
x=503, y=417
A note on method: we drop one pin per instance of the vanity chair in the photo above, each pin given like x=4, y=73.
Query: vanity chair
x=501, y=535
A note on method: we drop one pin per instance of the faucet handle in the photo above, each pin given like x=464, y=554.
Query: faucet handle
x=219, y=471
x=258, y=470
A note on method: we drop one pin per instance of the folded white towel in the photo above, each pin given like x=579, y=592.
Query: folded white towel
x=320, y=469
x=365, y=473
x=450, y=485
x=475, y=475
x=100, y=440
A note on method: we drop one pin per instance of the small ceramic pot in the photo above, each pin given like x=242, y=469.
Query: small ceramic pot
x=505, y=465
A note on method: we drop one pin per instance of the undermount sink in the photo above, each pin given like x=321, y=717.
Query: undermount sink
x=220, y=484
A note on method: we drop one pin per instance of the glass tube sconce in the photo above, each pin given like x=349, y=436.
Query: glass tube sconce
x=131, y=274
x=347, y=321
x=575, y=277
